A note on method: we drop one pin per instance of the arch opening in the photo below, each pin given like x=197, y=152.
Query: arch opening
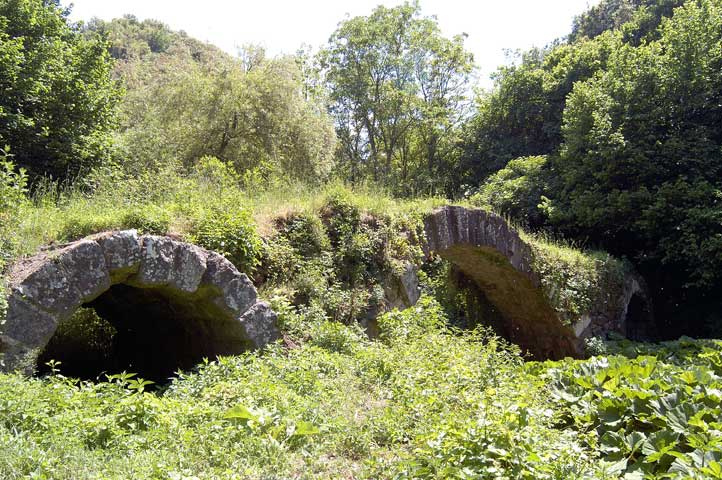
x=470, y=305
x=508, y=301
x=155, y=305
x=637, y=321
x=150, y=332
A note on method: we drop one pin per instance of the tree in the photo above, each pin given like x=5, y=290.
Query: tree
x=522, y=115
x=613, y=14
x=57, y=100
x=396, y=90
x=639, y=171
x=517, y=191
x=251, y=113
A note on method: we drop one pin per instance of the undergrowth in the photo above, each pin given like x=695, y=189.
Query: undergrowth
x=422, y=401
x=576, y=280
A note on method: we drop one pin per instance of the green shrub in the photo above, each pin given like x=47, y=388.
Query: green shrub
x=426, y=316
x=82, y=225
x=337, y=257
x=3, y=294
x=575, y=280
x=213, y=173
x=231, y=233
x=344, y=304
x=13, y=189
x=150, y=219
x=342, y=216
x=279, y=262
x=336, y=337
x=306, y=234
x=516, y=190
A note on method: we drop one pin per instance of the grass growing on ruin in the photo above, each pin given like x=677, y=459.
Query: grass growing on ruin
x=423, y=401
x=419, y=403
x=168, y=203
x=574, y=279
x=209, y=207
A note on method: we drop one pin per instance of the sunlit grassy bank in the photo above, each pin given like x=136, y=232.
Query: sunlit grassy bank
x=424, y=401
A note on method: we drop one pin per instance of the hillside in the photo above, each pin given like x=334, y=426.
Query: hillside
x=432, y=396
x=351, y=263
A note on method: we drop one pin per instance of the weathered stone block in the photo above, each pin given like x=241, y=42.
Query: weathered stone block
x=188, y=268
x=85, y=269
x=27, y=323
x=259, y=323
x=157, y=260
x=46, y=284
x=122, y=253
x=16, y=356
x=402, y=291
x=237, y=293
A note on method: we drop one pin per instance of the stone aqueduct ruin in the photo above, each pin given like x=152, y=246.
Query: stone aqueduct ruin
x=492, y=254
x=174, y=303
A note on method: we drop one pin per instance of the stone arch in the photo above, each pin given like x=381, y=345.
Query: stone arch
x=187, y=298
x=492, y=253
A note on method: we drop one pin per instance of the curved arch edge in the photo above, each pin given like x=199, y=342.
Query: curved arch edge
x=47, y=288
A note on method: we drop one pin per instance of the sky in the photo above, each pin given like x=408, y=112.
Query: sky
x=281, y=26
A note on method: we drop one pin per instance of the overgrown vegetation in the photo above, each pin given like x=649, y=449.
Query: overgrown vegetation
x=576, y=280
x=312, y=173
x=655, y=415
x=423, y=402
x=627, y=113
x=57, y=107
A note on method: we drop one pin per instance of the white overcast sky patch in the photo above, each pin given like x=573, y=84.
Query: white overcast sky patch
x=283, y=25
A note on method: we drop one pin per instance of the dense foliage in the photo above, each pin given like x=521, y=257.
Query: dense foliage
x=629, y=121
x=397, y=90
x=613, y=14
x=249, y=112
x=610, y=137
x=655, y=416
x=57, y=100
x=639, y=168
x=423, y=402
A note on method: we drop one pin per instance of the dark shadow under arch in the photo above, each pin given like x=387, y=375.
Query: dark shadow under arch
x=638, y=320
x=522, y=313
x=150, y=332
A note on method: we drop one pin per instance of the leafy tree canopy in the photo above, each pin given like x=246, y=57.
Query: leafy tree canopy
x=187, y=100
x=397, y=89
x=57, y=100
x=640, y=166
x=522, y=114
x=629, y=117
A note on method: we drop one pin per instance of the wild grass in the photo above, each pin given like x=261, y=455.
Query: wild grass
x=575, y=280
x=423, y=402
x=170, y=202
